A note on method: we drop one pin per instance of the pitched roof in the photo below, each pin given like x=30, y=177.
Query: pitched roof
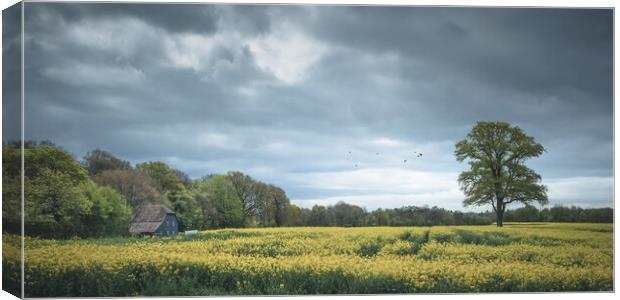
x=148, y=218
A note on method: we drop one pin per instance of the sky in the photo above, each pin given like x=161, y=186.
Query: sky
x=326, y=102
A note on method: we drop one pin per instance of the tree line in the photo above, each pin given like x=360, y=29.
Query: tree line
x=98, y=196
x=348, y=215
x=571, y=214
x=343, y=214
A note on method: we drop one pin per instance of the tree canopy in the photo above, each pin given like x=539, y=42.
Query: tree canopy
x=496, y=153
x=98, y=160
x=221, y=206
x=134, y=186
x=60, y=198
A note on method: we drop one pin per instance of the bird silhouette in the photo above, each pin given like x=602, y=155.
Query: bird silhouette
x=405, y=161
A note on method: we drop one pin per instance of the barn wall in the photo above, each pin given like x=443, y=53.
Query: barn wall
x=170, y=226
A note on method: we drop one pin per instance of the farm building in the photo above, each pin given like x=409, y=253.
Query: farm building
x=154, y=220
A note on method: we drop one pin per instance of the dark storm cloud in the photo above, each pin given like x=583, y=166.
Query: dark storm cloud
x=532, y=49
x=174, y=18
x=284, y=92
x=11, y=74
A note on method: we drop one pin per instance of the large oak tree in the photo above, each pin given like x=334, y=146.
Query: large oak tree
x=496, y=153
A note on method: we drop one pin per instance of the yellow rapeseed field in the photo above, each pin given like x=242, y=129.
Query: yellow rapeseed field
x=524, y=257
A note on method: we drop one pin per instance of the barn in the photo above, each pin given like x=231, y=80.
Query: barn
x=154, y=219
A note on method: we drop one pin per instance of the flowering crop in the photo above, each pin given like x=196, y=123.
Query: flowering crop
x=519, y=257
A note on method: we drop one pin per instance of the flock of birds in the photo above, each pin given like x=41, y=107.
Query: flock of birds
x=415, y=153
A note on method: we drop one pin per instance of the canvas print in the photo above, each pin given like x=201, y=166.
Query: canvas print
x=223, y=149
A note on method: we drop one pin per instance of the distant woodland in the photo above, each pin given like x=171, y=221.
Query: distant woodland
x=97, y=196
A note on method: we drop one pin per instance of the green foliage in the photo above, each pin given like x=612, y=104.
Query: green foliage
x=60, y=200
x=134, y=186
x=348, y=215
x=294, y=216
x=186, y=207
x=530, y=213
x=264, y=205
x=221, y=206
x=53, y=191
x=371, y=247
x=98, y=160
x=496, y=153
x=110, y=213
x=163, y=177
x=169, y=183
x=320, y=216
x=245, y=187
x=11, y=188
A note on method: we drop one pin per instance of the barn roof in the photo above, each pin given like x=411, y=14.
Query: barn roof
x=148, y=218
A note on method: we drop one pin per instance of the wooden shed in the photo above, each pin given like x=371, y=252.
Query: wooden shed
x=154, y=219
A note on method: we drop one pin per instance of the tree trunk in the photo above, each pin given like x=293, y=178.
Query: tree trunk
x=499, y=213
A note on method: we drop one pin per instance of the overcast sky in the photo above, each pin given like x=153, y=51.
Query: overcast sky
x=284, y=93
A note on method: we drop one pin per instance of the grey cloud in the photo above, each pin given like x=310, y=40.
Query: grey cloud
x=11, y=74
x=174, y=18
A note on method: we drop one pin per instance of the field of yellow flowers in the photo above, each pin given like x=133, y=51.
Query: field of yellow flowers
x=523, y=257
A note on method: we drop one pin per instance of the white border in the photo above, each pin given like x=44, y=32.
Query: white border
x=509, y=3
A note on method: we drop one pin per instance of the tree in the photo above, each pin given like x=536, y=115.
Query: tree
x=321, y=216
x=294, y=216
x=265, y=208
x=60, y=199
x=164, y=178
x=496, y=153
x=220, y=204
x=186, y=207
x=245, y=187
x=347, y=214
x=11, y=187
x=167, y=181
x=109, y=213
x=134, y=186
x=284, y=209
x=54, y=201
x=377, y=217
x=184, y=179
x=98, y=160
x=527, y=213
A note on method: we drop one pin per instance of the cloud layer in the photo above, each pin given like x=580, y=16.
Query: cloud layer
x=284, y=93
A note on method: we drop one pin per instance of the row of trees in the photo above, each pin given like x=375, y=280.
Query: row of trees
x=98, y=196
x=343, y=214
x=215, y=201
x=530, y=213
x=62, y=200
